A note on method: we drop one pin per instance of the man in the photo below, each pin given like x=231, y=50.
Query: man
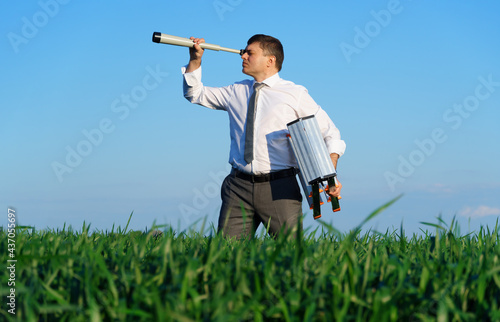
x=261, y=187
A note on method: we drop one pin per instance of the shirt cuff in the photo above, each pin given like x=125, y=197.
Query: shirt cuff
x=193, y=77
x=336, y=146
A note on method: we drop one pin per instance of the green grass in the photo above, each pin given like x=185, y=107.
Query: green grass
x=69, y=275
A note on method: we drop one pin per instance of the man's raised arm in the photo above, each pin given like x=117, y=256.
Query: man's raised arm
x=195, y=54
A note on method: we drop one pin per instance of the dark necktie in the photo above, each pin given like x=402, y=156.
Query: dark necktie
x=249, y=130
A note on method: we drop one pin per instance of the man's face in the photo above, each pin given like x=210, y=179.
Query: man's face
x=254, y=60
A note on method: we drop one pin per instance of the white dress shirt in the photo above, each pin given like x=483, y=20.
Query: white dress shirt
x=279, y=103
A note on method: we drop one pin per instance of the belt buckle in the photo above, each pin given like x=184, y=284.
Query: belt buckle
x=255, y=178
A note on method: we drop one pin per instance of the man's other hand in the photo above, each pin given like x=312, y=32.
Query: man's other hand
x=336, y=191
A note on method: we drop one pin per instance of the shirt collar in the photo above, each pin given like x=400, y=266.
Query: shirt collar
x=270, y=81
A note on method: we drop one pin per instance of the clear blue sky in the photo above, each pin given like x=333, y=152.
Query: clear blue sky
x=94, y=124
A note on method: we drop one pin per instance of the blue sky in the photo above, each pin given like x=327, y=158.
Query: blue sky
x=94, y=124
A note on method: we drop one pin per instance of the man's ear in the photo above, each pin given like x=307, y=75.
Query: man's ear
x=272, y=61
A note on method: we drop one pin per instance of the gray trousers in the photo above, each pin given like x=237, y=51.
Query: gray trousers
x=277, y=204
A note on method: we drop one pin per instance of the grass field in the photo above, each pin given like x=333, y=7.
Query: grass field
x=68, y=275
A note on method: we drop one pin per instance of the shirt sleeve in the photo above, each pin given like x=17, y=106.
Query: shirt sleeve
x=212, y=97
x=331, y=134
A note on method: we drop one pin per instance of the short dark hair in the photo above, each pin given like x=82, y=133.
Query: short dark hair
x=270, y=46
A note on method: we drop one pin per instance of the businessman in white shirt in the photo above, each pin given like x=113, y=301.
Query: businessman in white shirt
x=262, y=187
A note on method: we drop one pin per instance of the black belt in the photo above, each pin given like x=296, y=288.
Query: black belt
x=264, y=177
